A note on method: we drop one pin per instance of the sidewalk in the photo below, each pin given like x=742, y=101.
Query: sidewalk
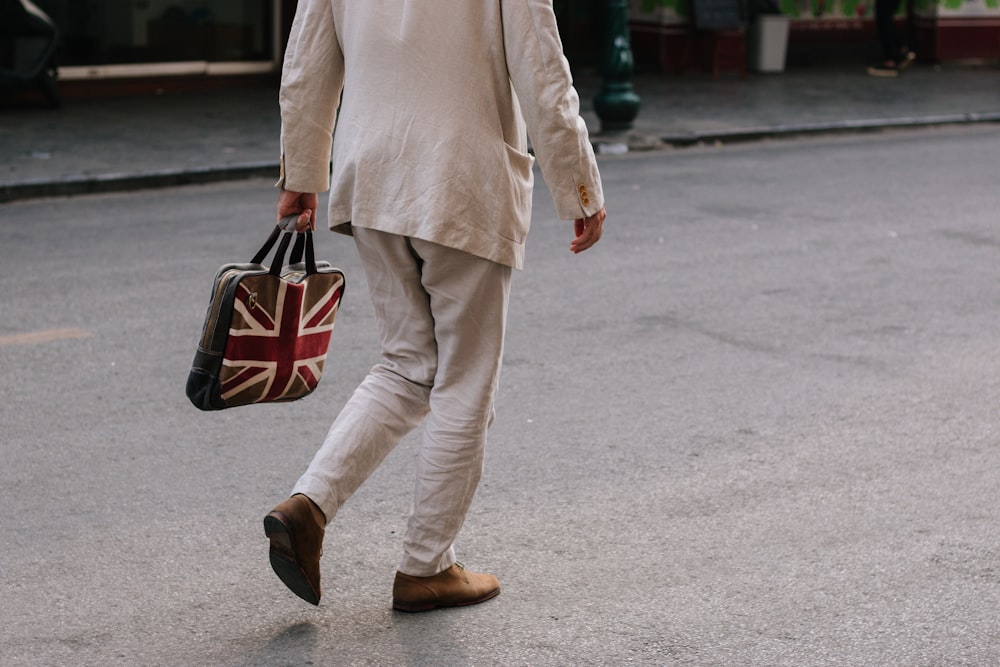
x=117, y=144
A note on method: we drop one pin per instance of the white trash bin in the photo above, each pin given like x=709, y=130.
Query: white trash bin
x=768, y=43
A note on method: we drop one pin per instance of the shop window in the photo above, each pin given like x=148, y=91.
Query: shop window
x=112, y=32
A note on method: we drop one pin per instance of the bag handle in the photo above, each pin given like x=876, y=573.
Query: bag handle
x=279, y=255
x=298, y=249
x=303, y=243
x=304, y=246
x=310, y=254
x=266, y=248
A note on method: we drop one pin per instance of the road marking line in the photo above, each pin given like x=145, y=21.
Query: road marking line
x=38, y=337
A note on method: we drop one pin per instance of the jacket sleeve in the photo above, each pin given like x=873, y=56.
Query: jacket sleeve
x=311, y=80
x=543, y=83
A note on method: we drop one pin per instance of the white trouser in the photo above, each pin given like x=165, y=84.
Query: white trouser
x=441, y=315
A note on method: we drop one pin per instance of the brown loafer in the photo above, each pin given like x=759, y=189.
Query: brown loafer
x=295, y=528
x=454, y=587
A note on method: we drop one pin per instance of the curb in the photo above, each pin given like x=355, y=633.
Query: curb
x=612, y=144
x=126, y=182
x=848, y=126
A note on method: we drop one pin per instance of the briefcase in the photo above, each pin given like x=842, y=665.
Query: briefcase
x=267, y=330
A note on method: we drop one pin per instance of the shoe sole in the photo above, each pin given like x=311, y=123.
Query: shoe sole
x=414, y=607
x=283, y=561
x=883, y=73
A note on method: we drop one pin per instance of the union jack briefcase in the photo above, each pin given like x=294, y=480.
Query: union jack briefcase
x=267, y=330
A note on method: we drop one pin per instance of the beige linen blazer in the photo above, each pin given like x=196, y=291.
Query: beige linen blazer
x=435, y=99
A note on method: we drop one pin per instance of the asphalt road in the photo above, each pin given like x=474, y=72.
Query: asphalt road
x=756, y=425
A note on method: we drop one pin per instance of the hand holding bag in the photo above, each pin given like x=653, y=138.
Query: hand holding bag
x=267, y=330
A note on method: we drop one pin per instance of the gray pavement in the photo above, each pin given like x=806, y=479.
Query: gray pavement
x=116, y=144
x=756, y=426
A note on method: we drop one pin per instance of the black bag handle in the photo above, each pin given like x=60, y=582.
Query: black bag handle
x=266, y=248
x=310, y=254
x=297, y=249
x=303, y=245
x=279, y=254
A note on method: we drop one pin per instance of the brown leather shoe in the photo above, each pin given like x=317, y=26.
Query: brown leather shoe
x=454, y=587
x=295, y=528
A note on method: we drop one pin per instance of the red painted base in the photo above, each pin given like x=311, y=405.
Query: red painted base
x=972, y=38
x=679, y=48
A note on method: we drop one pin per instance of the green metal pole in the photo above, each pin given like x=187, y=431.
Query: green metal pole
x=616, y=104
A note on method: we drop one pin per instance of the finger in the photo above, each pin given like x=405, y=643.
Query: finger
x=591, y=235
x=302, y=221
x=582, y=242
x=580, y=247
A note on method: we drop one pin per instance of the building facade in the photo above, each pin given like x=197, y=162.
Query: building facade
x=115, y=39
x=107, y=40
x=941, y=30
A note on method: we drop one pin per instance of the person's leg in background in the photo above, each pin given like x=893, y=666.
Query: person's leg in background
x=885, y=25
x=895, y=55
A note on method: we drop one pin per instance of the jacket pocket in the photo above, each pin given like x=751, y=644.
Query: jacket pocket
x=520, y=179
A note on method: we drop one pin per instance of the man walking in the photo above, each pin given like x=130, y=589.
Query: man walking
x=424, y=107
